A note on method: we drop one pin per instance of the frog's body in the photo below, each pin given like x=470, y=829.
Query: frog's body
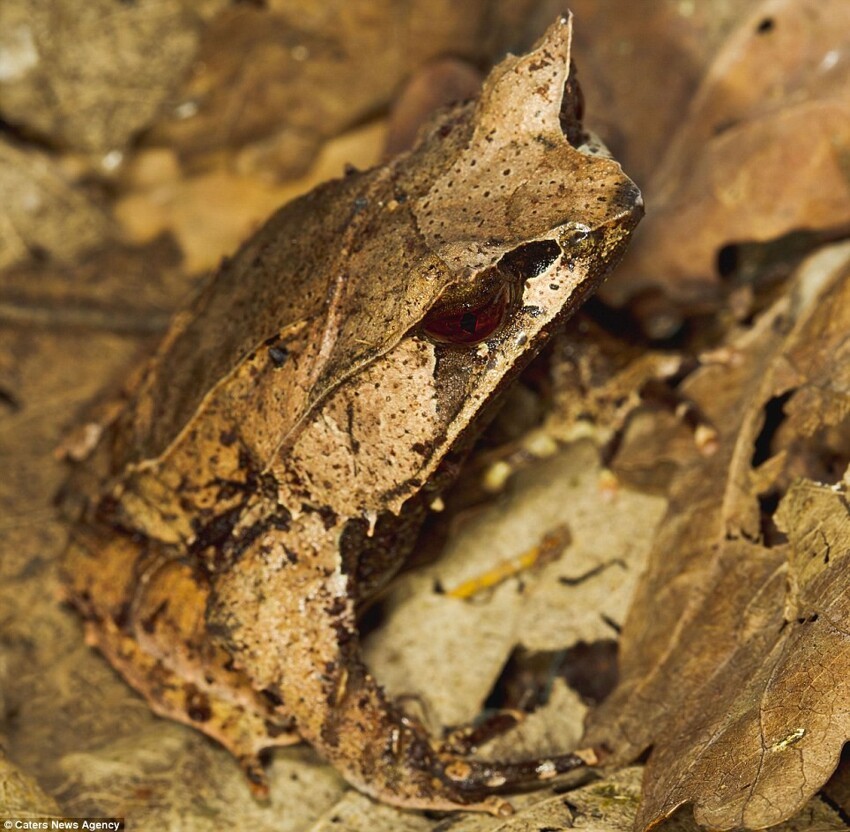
x=273, y=464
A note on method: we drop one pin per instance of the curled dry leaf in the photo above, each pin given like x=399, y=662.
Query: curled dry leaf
x=41, y=212
x=610, y=806
x=734, y=655
x=641, y=64
x=756, y=154
x=90, y=77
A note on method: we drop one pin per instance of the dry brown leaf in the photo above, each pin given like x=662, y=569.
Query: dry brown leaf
x=576, y=597
x=640, y=64
x=837, y=789
x=732, y=653
x=318, y=68
x=20, y=795
x=758, y=153
x=212, y=212
x=42, y=213
x=610, y=806
x=90, y=76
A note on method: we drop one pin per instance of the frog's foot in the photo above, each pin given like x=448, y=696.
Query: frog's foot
x=479, y=776
x=392, y=758
x=465, y=739
x=345, y=715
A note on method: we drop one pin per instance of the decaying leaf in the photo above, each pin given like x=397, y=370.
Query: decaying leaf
x=640, y=66
x=610, y=806
x=734, y=655
x=581, y=595
x=770, y=118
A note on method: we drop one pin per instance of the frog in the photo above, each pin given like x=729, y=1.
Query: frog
x=267, y=471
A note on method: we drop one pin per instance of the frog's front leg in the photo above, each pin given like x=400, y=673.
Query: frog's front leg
x=288, y=619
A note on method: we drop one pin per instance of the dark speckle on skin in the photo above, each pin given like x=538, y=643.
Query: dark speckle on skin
x=197, y=705
x=278, y=355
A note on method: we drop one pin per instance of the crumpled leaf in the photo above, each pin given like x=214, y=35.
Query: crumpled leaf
x=709, y=122
x=90, y=76
x=640, y=64
x=42, y=214
x=734, y=654
x=610, y=806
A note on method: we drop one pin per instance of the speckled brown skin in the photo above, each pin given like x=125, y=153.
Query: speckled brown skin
x=273, y=463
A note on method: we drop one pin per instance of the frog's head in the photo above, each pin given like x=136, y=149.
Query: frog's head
x=517, y=214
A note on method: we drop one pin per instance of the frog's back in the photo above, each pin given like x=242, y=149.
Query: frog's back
x=276, y=280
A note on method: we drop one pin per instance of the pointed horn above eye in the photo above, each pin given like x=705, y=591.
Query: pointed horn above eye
x=528, y=91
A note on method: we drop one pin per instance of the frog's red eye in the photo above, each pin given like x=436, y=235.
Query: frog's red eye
x=467, y=323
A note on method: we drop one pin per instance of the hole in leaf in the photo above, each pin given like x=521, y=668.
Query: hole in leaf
x=774, y=416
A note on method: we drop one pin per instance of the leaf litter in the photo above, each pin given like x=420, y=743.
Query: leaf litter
x=732, y=659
